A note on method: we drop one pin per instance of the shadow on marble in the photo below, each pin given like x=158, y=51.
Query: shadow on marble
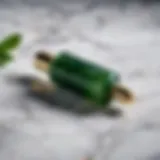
x=64, y=100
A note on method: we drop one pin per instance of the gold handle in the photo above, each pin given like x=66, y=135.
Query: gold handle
x=42, y=61
x=123, y=95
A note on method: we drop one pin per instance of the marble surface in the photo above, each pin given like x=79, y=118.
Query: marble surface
x=126, y=40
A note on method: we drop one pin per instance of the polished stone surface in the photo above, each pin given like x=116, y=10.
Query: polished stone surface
x=126, y=40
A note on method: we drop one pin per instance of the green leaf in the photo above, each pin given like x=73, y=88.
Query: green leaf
x=5, y=58
x=7, y=45
x=12, y=41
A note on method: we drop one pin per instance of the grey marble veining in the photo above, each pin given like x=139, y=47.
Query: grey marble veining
x=125, y=40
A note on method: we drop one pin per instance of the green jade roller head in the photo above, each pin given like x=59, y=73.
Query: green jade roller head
x=7, y=45
x=95, y=83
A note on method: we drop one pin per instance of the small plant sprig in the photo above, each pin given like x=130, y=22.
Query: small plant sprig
x=7, y=45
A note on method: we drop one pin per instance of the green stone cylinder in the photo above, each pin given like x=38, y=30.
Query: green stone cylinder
x=84, y=78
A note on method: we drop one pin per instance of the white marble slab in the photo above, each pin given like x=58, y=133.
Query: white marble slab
x=128, y=42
